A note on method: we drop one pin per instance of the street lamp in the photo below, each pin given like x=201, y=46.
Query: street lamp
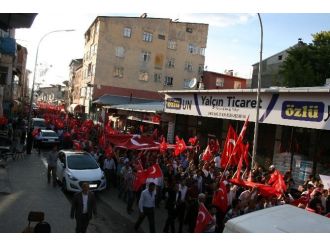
x=35, y=70
x=255, y=138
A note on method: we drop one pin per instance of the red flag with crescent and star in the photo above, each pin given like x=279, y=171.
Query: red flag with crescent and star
x=229, y=146
x=220, y=198
x=203, y=218
x=154, y=171
x=139, y=180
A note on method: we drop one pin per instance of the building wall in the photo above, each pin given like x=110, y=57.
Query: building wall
x=270, y=68
x=213, y=80
x=109, y=36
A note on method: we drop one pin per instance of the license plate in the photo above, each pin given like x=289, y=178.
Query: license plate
x=93, y=186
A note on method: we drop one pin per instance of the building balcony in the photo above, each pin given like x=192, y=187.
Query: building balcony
x=8, y=46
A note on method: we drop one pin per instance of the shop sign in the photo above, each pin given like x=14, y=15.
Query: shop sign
x=308, y=110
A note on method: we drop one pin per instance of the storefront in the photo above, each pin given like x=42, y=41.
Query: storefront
x=294, y=123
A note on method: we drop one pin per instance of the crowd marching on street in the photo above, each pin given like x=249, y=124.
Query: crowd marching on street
x=201, y=188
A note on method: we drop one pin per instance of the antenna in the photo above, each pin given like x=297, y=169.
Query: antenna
x=192, y=83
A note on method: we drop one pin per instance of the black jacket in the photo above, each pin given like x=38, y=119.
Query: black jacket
x=77, y=205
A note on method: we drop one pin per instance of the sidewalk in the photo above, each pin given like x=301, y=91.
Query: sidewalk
x=27, y=190
x=110, y=198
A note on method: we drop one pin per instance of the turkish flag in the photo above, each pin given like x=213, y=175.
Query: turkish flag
x=207, y=154
x=154, y=171
x=180, y=146
x=246, y=154
x=163, y=146
x=214, y=146
x=140, y=179
x=203, y=218
x=239, y=146
x=276, y=181
x=239, y=168
x=193, y=140
x=229, y=146
x=102, y=141
x=220, y=198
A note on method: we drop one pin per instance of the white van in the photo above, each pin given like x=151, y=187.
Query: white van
x=279, y=219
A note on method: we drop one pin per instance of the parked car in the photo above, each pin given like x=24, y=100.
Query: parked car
x=279, y=219
x=39, y=123
x=49, y=138
x=76, y=167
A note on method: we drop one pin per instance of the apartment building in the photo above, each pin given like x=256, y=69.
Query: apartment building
x=138, y=56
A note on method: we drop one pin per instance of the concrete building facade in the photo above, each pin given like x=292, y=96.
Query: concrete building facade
x=138, y=56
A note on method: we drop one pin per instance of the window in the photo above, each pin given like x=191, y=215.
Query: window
x=170, y=63
x=171, y=45
x=147, y=37
x=143, y=76
x=120, y=51
x=192, y=49
x=161, y=36
x=127, y=32
x=186, y=83
x=89, y=73
x=280, y=57
x=168, y=81
x=219, y=82
x=237, y=85
x=157, y=77
x=200, y=68
x=202, y=51
x=159, y=60
x=94, y=49
x=189, y=30
x=146, y=56
x=118, y=72
x=188, y=66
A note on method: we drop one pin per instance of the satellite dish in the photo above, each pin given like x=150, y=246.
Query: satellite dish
x=192, y=83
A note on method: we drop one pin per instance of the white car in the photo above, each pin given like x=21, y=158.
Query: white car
x=75, y=167
x=39, y=123
x=49, y=138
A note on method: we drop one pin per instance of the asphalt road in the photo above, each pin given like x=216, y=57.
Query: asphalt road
x=29, y=191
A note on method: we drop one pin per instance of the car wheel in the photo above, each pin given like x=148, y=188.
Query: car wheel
x=64, y=188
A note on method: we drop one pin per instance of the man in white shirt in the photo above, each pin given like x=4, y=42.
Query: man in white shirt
x=109, y=168
x=217, y=160
x=147, y=207
x=82, y=208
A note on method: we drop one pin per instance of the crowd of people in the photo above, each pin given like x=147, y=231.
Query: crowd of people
x=188, y=181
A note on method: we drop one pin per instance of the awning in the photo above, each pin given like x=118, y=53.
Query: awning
x=152, y=107
x=16, y=20
x=109, y=99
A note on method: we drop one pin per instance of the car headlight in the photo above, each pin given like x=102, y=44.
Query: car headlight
x=73, y=178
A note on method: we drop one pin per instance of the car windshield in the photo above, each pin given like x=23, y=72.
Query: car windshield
x=81, y=162
x=39, y=123
x=49, y=134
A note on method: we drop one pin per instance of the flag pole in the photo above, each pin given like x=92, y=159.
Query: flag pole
x=255, y=138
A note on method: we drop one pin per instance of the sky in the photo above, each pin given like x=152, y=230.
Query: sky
x=233, y=39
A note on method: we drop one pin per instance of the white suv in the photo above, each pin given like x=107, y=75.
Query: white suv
x=75, y=167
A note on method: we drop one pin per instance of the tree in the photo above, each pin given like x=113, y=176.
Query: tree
x=308, y=65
